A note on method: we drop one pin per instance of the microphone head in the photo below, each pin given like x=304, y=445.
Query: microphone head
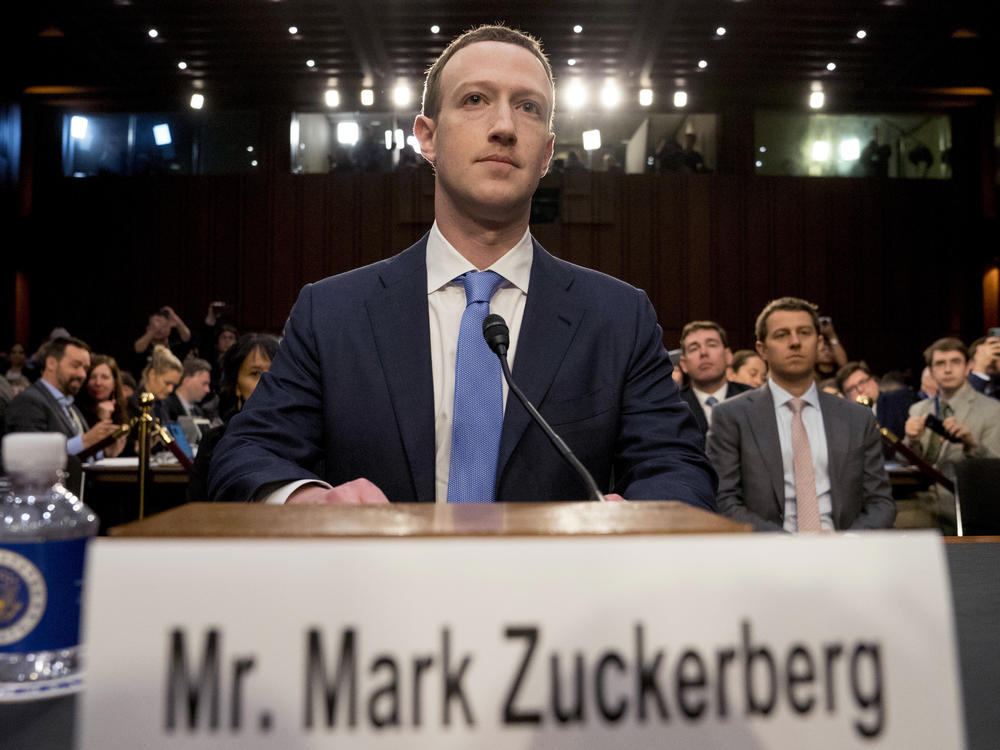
x=496, y=333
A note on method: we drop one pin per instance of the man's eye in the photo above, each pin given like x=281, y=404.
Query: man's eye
x=473, y=99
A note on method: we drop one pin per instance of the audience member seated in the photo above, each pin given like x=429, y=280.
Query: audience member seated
x=33, y=366
x=47, y=405
x=185, y=401
x=891, y=407
x=704, y=357
x=984, y=366
x=789, y=457
x=747, y=368
x=16, y=359
x=830, y=386
x=128, y=384
x=928, y=385
x=102, y=397
x=160, y=376
x=830, y=356
x=243, y=365
x=165, y=329
x=969, y=418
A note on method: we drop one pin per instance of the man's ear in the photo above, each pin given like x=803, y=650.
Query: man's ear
x=423, y=131
x=729, y=356
x=759, y=346
x=549, y=151
x=682, y=363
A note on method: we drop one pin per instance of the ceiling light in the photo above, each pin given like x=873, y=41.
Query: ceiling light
x=577, y=29
x=571, y=61
x=720, y=31
x=293, y=30
x=576, y=95
x=831, y=66
x=182, y=65
x=820, y=151
x=253, y=162
x=645, y=97
x=249, y=149
x=680, y=99
x=197, y=101
x=412, y=142
x=332, y=98
x=399, y=138
x=401, y=95
x=153, y=33
x=161, y=134
x=758, y=164
x=817, y=100
x=78, y=127
x=763, y=149
x=591, y=140
x=702, y=64
x=310, y=63
x=367, y=97
x=435, y=29
x=347, y=132
x=861, y=34
x=388, y=140
x=611, y=95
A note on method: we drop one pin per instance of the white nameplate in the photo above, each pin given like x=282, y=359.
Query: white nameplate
x=760, y=641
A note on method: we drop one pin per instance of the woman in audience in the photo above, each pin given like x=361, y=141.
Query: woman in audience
x=242, y=366
x=160, y=377
x=748, y=368
x=17, y=359
x=102, y=397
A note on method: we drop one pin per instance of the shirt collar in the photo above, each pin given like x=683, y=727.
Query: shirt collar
x=782, y=397
x=720, y=395
x=59, y=396
x=445, y=263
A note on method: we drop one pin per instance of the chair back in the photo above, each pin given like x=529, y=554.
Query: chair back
x=977, y=496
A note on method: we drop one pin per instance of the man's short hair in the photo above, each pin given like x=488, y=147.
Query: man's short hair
x=193, y=365
x=975, y=345
x=741, y=357
x=702, y=325
x=947, y=344
x=431, y=105
x=57, y=347
x=849, y=369
x=793, y=304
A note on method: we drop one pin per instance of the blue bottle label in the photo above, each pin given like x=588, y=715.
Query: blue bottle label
x=40, y=588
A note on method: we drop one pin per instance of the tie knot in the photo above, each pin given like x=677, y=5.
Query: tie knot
x=480, y=285
x=796, y=405
x=711, y=400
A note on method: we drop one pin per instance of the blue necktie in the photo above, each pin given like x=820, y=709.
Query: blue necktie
x=478, y=416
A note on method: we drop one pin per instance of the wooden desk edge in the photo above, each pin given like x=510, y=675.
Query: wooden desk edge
x=222, y=520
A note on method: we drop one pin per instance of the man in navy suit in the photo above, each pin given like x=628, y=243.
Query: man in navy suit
x=358, y=404
x=705, y=355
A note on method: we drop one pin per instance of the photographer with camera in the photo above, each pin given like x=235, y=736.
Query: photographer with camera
x=164, y=328
x=984, y=364
x=958, y=423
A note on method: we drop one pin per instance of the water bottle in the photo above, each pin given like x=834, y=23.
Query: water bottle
x=44, y=530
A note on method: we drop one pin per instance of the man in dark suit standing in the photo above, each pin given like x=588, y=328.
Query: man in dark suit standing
x=47, y=404
x=892, y=408
x=372, y=384
x=185, y=400
x=705, y=355
x=790, y=457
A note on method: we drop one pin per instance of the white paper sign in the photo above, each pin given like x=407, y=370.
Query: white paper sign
x=760, y=641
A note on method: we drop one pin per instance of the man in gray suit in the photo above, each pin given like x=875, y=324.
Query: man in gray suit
x=790, y=457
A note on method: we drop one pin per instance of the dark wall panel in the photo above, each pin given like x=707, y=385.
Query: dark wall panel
x=107, y=252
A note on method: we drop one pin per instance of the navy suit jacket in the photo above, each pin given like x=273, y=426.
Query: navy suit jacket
x=687, y=393
x=350, y=393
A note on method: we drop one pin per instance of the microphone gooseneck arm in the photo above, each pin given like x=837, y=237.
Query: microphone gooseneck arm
x=497, y=336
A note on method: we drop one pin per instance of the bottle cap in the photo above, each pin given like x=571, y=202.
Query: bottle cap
x=34, y=452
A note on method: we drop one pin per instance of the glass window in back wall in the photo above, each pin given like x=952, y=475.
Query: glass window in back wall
x=915, y=146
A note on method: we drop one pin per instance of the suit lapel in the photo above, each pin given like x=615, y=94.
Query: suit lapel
x=551, y=318
x=696, y=411
x=837, y=428
x=401, y=329
x=68, y=427
x=764, y=427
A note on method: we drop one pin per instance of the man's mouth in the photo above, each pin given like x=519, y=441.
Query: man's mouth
x=500, y=158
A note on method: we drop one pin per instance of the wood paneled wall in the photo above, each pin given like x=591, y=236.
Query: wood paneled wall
x=894, y=263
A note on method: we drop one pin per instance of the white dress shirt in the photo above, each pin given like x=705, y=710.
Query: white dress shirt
x=812, y=419
x=720, y=396
x=445, y=306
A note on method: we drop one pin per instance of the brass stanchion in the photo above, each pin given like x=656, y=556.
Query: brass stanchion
x=145, y=421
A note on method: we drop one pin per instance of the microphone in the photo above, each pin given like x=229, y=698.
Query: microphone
x=497, y=336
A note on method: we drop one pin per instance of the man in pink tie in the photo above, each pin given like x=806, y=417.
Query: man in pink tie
x=790, y=457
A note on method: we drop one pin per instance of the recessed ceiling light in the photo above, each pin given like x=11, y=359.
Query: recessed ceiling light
x=253, y=162
x=571, y=61
x=816, y=101
x=367, y=97
x=293, y=30
x=249, y=149
x=435, y=29
x=197, y=101
x=645, y=97
x=332, y=98
x=758, y=163
x=861, y=34
x=763, y=149
x=703, y=64
x=680, y=99
x=153, y=33
x=831, y=66
x=310, y=63
x=577, y=29
x=182, y=65
x=721, y=31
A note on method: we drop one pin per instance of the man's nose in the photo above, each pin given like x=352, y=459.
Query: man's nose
x=502, y=128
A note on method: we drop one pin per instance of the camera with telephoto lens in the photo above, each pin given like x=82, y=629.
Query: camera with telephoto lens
x=936, y=425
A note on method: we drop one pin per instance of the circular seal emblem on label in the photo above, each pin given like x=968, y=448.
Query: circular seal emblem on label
x=23, y=596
